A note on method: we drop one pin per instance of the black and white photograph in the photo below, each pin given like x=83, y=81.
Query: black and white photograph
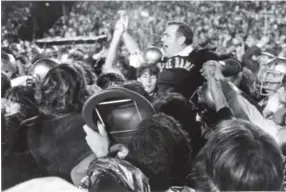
x=143, y=96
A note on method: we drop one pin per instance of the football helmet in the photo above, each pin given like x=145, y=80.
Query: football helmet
x=8, y=65
x=270, y=75
x=41, y=67
x=153, y=55
x=120, y=110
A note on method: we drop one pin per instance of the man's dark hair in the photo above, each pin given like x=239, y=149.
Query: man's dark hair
x=178, y=107
x=151, y=69
x=239, y=156
x=161, y=150
x=185, y=30
x=63, y=91
x=109, y=79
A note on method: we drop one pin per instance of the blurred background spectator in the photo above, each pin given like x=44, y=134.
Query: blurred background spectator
x=214, y=23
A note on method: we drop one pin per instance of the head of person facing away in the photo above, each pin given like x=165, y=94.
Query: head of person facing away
x=62, y=91
x=161, y=150
x=239, y=156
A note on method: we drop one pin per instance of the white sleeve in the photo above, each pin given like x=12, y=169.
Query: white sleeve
x=257, y=118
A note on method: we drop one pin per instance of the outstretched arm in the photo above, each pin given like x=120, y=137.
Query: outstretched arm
x=215, y=88
x=135, y=58
x=113, y=49
x=130, y=43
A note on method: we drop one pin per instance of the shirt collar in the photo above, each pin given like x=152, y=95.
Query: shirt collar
x=186, y=51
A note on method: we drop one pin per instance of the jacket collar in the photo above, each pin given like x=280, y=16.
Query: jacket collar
x=186, y=51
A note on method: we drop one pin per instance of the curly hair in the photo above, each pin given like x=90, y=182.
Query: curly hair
x=178, y=107
x=86, y=71
x=63, y=91
x=161, y=150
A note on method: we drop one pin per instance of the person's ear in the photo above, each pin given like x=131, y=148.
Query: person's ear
x=181, y=40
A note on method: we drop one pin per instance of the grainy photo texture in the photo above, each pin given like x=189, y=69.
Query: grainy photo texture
x=127, y=96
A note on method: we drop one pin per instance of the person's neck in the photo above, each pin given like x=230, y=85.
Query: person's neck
x=185, y=50
x=180, y=49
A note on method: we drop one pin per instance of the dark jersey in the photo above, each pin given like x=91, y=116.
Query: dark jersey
x=182, y=73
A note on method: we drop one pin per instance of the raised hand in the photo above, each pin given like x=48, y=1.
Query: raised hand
x=122, y=23
x=119, y=27
x=208, y=69
x=124, y=18
x=97, y=141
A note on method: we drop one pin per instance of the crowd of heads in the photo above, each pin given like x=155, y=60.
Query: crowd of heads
x=189, y=142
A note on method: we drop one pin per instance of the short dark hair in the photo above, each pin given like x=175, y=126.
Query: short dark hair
x=239, y=156
x=109, y=79
x=178, y=107
x=161, y=150
x=183, y=29
x=151, y=69
x=63, y=91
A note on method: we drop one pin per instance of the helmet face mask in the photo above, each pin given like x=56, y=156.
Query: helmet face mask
x=41, y=67
x=203, y=103
x=269, y=77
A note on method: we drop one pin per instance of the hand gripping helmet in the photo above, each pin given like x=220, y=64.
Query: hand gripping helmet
x=270, y=75
x=120, y=110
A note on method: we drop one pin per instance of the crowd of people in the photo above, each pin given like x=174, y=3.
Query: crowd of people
x=208, y=110
x=216, y=22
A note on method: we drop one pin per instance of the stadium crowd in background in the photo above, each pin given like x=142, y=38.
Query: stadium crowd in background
x=208, y=77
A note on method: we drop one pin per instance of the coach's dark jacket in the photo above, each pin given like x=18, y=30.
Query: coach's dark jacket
x=182, y=73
